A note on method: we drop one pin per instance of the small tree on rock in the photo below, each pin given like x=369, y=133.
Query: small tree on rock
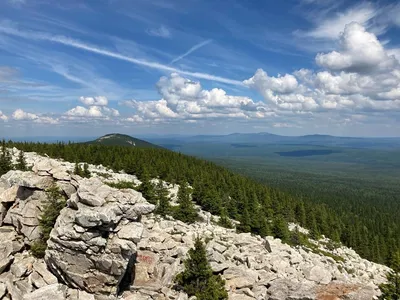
x=198, y=279
x=50, y=212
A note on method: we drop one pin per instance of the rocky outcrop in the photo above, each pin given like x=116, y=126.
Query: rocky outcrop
x=107, y=242
x=95, y=237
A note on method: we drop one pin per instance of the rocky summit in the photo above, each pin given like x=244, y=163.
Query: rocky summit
x=107, y=244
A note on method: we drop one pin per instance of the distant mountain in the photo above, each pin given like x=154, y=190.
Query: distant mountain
x=265, y=138
x=117, y=139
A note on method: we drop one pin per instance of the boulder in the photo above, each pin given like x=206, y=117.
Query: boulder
x=10, y=243
x=24, y=216
x=318, y=274
x=28, y=180
x=53, y=292
x=94, y=240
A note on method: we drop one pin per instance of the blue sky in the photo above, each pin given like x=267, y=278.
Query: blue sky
x=85, y=68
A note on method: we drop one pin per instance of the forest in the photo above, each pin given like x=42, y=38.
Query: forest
x=260, y=208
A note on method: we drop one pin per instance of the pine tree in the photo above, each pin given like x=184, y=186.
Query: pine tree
x=280, y=229
x=224, y=220
x=5, y=159
x=21, y=162
x=391, y=289
x=186, y=211
x=50, y=212
x=198, y=279
x=86, y=172
x=163, y=207
x=78, y=170
x=147, y=188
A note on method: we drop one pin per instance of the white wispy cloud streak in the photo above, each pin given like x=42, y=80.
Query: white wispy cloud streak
x=83, y=46
x=191, y=50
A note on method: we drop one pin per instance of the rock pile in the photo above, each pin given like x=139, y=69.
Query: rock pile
x=106, y=243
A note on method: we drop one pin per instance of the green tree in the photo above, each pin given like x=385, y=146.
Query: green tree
x=280, y=229
x=186, y=212
x=78, y=170
x=50, y=212
x=5, y=159
x=224, y=220
x=391, y=289
x=198, y=279
x=147, y=187
x=86, y=172
x=163, y=207
x=21, y=162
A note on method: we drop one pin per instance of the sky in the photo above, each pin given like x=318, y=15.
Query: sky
x=87, y=68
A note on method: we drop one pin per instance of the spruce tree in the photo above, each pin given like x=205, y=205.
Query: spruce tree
x=147, y=188
x=5, y=159
x=163, y=207
x=224, y=220
x=391, y=289
x=21, y=162
x=198, y=279
x=280, y=228
x=186, y=212
x=86, y=172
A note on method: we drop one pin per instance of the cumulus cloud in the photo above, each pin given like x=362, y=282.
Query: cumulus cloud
x=3, y=117
x=96, y=108
x=360, y=51
x=360, y=76
x=98, y=101
x=20, y=115
x=92, y=112
x=183, y=99
x=330, y=28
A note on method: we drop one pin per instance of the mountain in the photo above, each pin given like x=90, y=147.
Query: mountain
x=116, y=139
x=107, y=243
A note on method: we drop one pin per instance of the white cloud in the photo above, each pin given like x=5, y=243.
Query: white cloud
x=162, y=31
x=361, y=76
x=330, y=28
x=3, y=117
x=20, y=115
x=360, y=51
x=92, y=112
x=183, y=99
x=98, y=101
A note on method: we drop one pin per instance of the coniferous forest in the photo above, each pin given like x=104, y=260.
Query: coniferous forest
x=259, y=208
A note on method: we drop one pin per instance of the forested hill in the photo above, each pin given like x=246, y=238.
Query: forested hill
x=259, y=208
x=116, y=139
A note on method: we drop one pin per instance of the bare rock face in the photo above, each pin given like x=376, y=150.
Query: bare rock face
x=95, y=237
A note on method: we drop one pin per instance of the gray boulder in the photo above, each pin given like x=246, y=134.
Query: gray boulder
x=94, y=239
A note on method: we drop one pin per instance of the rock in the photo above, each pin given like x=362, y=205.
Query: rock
x=234, y=296
x=84, y=248
x=318, y=274
x=132, y=232
x=40, y=267
x=10, y=243
x=53, y=292
x=66, y=187
x=24, y=216
x=3, y=290
x=28, y=180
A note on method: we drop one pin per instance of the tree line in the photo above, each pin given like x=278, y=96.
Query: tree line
x=260, y=209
